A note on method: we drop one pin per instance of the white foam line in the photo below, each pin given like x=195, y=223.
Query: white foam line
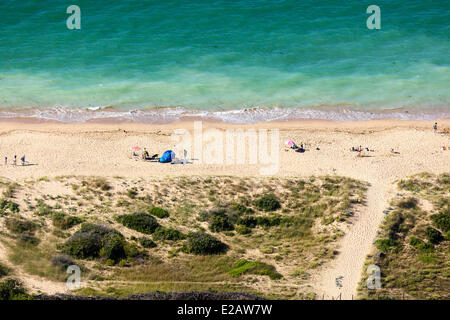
x=242, y=116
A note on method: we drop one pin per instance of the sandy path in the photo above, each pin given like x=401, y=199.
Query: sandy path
x=354, y=247
x=34, y=284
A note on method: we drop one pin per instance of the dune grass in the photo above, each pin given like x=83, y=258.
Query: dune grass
x=268, y=228
x=414, y=242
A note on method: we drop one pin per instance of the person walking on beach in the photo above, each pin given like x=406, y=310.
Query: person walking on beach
x=435, y=127
x=22, y=160
x=15, y=160
x=6, y=161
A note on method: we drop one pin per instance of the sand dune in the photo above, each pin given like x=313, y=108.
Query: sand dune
x=94, y=149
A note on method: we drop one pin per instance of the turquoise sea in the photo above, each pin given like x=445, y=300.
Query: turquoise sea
x=235, y=60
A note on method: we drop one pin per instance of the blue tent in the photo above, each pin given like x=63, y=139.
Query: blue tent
x=167, y=156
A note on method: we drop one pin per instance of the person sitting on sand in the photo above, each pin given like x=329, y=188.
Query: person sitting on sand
x=394, y=152
x=146, y=155
x=301, y=149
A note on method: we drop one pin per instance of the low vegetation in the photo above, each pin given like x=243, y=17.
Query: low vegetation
x=254, y=267
x=414, y=244
x=265, y=236
x=8, y=207
x=64, y=221
x=97, y=241
x=12, y=289
x=159, y=212
x=162, y=233
x=4, y=270
x=203, y=243
x=268, y=202
x=139, y=221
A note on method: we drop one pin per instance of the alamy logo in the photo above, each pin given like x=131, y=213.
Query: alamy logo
x=374, y=21
x=231, y=146
x=374, y=279
x=74, y=280
x=73, y=21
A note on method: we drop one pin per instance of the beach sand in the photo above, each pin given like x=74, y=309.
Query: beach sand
x=55, y=149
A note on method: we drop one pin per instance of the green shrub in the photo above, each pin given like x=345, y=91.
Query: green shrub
x=64, y=221
x=123, y=263
x=62, y=261
x=28, y=238
x=43, y=209
x=426, y=247
x=204, y=244
x=113, y=247
x=110, y=262
x=248, y=221
x=268, y=221
x=433, y=235
x=20, y=226
x=24, y=230
x=139, y=221
x=218, y=224
x=219, y=219
x=421, y=245
x=416, y=242
x=132, y=193
x=409, y=203
x=4, y=270
x=93, y=241
x=10, y=190
x=295, y=227
x=254, y=267
x=242, y=229
x=162, y=233
x=398, y=222
x=101, y=183
x=241, y=209
x=159, y=212
x=11, y=289
x=83, y=245
x=132, y=251
x=8, y=206
x=268, y=202
x=386, y=245
x=442, y=220
x=146, y=243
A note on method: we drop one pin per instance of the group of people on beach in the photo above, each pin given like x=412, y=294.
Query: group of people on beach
x=14, y=162
x=291, y=145
x=144, y=155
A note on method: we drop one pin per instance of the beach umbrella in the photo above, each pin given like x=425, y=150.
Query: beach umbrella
x=290, y=143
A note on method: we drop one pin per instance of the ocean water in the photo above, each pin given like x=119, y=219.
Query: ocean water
x=235, y=60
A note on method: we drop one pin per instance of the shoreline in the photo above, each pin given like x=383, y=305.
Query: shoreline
x=251, y=115
x=316, y=124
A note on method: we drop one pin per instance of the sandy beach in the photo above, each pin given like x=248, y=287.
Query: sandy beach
x=94, y=149
x=54, y=149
